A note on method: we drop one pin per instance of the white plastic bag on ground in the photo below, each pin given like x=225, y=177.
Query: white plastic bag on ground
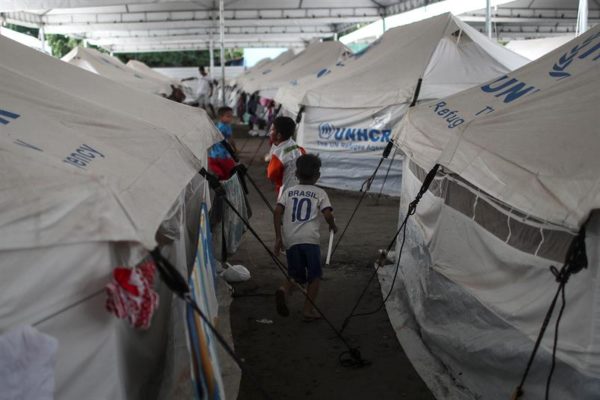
x=236, y=273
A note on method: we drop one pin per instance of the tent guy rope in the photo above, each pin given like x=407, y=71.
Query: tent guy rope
x=367, y=183
x=349, y=358
x=176, y=282
x=575, y=261
x=412, y=208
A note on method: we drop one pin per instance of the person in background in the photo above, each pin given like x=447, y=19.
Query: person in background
x=220, y=161
x=251, y=109
x=204, y=89
x=284, y=152
x=296, y=221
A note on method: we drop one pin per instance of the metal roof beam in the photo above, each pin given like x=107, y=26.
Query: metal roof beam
x=202, y=46
x=321, y=31
x=160, y=25
x=289, y=37
x=16, y=5
x=525, y=20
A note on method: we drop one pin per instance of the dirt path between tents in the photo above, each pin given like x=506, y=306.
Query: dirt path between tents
x=298, y=360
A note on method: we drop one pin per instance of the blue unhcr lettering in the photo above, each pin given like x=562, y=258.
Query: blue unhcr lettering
x=7, y=114
x=513, y=89
x=327, y=131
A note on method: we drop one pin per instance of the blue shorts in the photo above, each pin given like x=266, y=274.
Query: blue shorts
x=304, y=262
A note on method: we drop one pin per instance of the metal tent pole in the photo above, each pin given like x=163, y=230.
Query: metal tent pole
x=222, y=37
x=211, y=47
x=488, y=18
x=582, y=17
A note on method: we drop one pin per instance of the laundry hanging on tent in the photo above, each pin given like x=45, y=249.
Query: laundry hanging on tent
x=131, y=294
x=27, y=361
x=205, y=367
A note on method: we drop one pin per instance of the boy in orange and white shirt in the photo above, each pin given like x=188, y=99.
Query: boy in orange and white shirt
x=284, y=152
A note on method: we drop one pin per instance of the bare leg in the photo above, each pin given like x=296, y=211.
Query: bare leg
x=287, y=286
x=312, y=291
x=280, y=295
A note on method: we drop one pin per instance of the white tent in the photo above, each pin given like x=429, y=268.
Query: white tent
x=520, y=175
x=291, y=93
x=312, y=59
x=536, y=48
x=110, y=67
x=142, y=69
x=146, y=71
x=348, y=117
x=255, y=73
x=256, y=67
x=91, y=172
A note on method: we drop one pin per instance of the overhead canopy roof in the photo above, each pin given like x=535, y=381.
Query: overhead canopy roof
x=139, y=25
x=155, y=25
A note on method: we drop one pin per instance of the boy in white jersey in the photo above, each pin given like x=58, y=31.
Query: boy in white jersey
x=297, y=228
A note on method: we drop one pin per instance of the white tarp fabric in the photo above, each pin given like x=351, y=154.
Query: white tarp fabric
x=380, y=83
x=255, y=73
x=290, y=94
x=112, y=68
x=146, y=71
x=468, y=305
x=314, y=58
x=536, y=48
x=91, y=169
x=265, y=61
x=520, y=174
x=92, y=149
x=527, y=138
x=347, y=154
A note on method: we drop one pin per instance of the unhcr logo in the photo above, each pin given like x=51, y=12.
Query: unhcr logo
x=328, y=131
x=580, y=51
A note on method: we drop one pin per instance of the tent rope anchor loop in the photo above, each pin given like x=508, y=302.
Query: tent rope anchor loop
x=575, y=260
x=356, y=359
x=412, y=208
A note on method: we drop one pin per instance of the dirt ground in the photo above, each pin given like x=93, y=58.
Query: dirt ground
x=293, y=359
